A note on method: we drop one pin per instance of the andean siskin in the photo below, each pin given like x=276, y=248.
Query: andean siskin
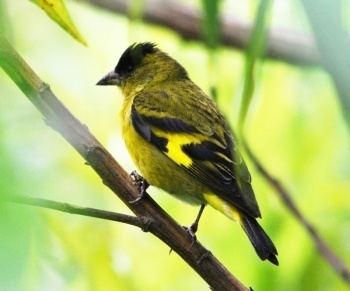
x=181, y=142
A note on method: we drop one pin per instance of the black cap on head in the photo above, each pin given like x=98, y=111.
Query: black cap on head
x=130, y=59
x=133, y=56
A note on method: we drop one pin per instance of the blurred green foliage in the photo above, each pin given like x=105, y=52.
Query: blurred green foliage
x=211, y=22
x=253, y=54
x=294, y=125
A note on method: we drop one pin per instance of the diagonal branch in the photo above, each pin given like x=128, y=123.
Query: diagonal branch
x=142, y=222
x=333, y=260
x=285, y=45
x=163, y=226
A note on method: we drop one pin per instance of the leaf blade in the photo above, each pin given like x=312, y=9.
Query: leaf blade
x=211, y=22
x=255, y=50
x=57, y=11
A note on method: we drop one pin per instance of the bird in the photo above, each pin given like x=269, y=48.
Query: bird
x=181, y=142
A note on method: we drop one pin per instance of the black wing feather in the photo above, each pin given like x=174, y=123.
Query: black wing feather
x=144, y=130
x=170, y=124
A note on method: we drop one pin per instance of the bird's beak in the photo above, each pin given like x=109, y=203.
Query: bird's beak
x=112, y=78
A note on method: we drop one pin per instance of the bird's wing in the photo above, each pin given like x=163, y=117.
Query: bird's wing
x=200, y=143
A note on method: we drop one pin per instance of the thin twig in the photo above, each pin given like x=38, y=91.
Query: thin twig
x=285, y=45
x=327, y=253
x=163, y=226
x=141, y=221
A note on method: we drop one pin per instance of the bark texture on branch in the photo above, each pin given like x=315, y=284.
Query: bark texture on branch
x=285, y=45
x=163, y=226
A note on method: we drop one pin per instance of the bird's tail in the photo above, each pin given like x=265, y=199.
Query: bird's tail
x=263, y=245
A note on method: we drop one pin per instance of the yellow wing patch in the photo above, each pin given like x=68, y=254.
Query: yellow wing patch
x=222, y=206
x=175, y=152
x=175, y=143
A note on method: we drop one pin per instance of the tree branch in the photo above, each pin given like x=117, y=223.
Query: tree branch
x=142, y=222
x=335, y=262
x=111, y=173
x=285, y=45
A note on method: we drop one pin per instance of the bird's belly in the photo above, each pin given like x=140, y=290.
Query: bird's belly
x=160, y=171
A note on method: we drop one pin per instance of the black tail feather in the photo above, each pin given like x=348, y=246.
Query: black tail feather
x=263, y=245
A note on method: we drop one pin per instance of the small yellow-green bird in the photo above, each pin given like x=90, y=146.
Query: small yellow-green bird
x=181, y=143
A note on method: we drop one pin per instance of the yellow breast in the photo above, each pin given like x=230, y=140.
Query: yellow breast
x=136, y=145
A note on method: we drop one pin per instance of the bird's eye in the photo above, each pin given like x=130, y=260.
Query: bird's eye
x=130, y=68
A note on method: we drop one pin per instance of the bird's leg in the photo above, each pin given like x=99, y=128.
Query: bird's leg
x=194, y=226
x=141, y=183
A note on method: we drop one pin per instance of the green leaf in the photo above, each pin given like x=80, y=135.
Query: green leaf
x=211, y=22
x=255, y=50
x=58, y=12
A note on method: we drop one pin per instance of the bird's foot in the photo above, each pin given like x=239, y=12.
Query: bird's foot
x=193, y=229
x=141, y=183
x=192, y=232
x=194, y=226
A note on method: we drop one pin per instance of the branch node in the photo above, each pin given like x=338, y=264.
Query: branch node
x=204, y=256
x=145, y=223
x=85, y=126
x=43, y=88
x=89, y=152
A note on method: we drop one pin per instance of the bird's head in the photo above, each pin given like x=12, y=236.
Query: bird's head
x=142, y=64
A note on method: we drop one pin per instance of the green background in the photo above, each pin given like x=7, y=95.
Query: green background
x=294, y=125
